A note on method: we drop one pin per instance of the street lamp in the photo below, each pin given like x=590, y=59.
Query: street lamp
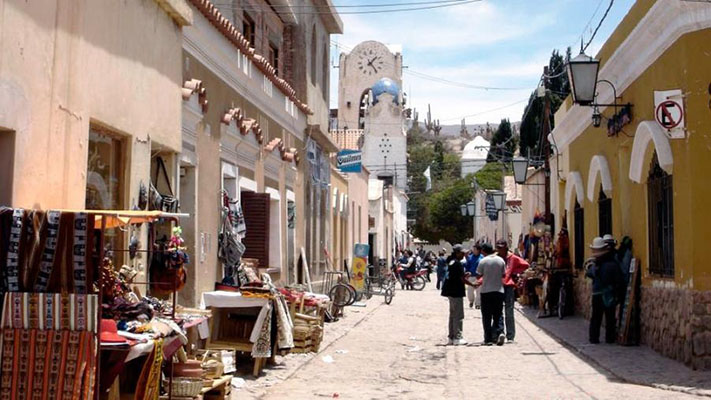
x=582, y=74
x=463, y=209
x=499, y=199
x=596, y=117
x=471, y=208
x=520, y=169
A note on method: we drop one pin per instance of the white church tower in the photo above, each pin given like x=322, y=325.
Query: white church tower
x=370, y=99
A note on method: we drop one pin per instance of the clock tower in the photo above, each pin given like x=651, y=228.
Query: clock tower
x=370, y=99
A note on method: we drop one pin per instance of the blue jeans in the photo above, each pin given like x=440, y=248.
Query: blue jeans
x=508, y=317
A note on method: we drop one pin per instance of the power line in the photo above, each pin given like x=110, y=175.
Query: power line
x=438, y=79
x=487, y=111
x=604, y=16
x=328, y=7
x=393, y=10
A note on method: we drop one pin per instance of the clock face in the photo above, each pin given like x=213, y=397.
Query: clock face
x=370, y=61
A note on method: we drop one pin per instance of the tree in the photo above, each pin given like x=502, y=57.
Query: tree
x=444, y=216
x=503, y=144
x=489, y=177
x=531, y=131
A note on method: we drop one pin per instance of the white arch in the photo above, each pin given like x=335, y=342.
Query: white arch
x=575, y=181
x=650, y=131
x=599, y=165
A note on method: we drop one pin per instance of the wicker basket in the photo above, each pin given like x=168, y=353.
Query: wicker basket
x=186, y=387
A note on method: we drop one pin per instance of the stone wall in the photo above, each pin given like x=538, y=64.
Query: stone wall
x=666, y=321
x=677, y=324
x=701, y=330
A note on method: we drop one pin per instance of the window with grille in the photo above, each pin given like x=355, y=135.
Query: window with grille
x=660, y=208
x=579, y=231
x=604, y=207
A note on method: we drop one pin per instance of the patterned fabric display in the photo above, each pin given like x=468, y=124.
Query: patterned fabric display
x=262, y=347
x=50, y=248
x=48, y=346
x=79, y=252
x=13, y=252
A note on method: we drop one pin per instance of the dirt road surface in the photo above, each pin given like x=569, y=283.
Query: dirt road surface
x=398, y=352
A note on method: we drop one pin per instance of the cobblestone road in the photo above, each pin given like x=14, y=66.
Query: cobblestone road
x=397, y=352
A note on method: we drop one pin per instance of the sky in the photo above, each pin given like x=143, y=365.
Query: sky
x=493, y=43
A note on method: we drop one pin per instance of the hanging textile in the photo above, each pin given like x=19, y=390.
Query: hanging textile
x=148, y=385
x=262, y=345
x=12, y=267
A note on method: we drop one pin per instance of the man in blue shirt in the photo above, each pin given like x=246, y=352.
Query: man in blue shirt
x=473, y=259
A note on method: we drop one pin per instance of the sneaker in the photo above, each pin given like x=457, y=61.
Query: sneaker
x=450, y=342
x=478, y=307
x=471, y=304
x=500, y=340
x=460, y=342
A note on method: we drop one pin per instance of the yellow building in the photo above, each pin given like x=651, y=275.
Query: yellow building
x=648, y=182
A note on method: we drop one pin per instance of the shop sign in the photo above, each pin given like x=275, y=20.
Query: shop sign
x=669, y=112
x=349, y=161
x=360, y=263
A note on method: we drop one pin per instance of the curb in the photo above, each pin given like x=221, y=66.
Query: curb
x=583, y=355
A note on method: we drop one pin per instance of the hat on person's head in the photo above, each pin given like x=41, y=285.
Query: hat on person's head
x=599, y=247
x=501, y=243
x=609, y=239
x=457, y=248
x=109, y=332
x=598, y=243
x=487, y=248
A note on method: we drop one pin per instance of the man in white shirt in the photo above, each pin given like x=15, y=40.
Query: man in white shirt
x=492, y=269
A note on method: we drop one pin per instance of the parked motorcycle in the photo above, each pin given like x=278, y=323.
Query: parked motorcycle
x=411, y=280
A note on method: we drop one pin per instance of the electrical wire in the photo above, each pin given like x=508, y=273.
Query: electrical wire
x=328, y=7
x=604, y=16
x=393, y=10
x=433, y=78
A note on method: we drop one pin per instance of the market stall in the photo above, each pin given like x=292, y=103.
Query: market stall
x=74, y=326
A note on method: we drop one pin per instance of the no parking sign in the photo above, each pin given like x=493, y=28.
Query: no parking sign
x=669, y=112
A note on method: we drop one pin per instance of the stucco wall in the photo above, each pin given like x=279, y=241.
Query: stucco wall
x=66, y=65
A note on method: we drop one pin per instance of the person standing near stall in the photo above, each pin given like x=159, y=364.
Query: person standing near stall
x=607, y=280
x=473, y=259
x=515, y=265
x=492, y=269
x=453, y=288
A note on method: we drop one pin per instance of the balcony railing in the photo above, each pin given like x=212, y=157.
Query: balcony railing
x=348, y=139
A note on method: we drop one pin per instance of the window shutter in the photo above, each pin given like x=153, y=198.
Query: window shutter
x=256, y=216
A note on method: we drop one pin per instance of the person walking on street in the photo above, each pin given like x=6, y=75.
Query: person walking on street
x=441, y=268
x=473, y=259
x=453, y=289
x=515, y=265
x=607, y=280
x=492, y=269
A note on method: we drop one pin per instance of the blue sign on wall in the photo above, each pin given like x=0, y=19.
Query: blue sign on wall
x=349, y=160
x=361, y=250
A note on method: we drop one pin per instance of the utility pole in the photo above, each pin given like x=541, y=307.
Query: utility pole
x=546, y=147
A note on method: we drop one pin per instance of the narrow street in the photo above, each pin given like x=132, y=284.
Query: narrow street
x=397, y=351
